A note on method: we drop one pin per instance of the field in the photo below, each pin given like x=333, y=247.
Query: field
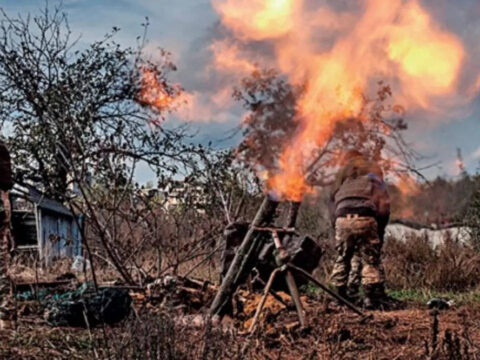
x=333, y=333
x=171, y=323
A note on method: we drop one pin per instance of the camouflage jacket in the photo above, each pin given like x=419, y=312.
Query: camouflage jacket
x=358, y=167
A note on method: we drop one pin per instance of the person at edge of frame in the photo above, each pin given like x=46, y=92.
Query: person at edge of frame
x=7, y=309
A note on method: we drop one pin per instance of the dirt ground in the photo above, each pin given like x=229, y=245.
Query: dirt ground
x=333, y=333
x=413, y=333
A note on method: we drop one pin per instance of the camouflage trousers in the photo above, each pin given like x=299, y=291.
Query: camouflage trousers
x=359, y=252
x=6, y=304
x=355, y=275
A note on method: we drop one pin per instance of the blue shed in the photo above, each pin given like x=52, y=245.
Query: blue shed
x=44, y=226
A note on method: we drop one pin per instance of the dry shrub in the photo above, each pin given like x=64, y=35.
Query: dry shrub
x=162, y=336
x=31, y=270
x=414, y=264
x=407, y=263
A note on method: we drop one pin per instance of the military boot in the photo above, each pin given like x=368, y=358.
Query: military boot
x=353, y=294
x=377, y=299
x=343, y=291
x=374, y=296
x=370, y=301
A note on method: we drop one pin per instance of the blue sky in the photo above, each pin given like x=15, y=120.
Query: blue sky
x=185, y=28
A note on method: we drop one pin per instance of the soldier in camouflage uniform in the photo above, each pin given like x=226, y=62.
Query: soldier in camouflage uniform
x=355, y=276
x=7, y=312
x=360, y=211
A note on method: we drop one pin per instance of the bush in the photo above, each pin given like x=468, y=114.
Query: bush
x=413, y=264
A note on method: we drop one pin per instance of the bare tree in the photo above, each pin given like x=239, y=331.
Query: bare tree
x=79, y=121
x=66, y=110
x=377, y=129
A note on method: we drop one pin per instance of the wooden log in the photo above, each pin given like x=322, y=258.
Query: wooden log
x=240, y=264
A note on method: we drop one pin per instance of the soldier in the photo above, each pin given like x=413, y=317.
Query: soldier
x=360, y=211
x=355, y=276
x=7, y=312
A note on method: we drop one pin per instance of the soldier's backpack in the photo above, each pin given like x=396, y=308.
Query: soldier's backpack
x=366, y=192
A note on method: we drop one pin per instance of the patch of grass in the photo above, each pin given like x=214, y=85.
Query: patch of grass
x=417, y=297
x=421, y=296
x=313, y=291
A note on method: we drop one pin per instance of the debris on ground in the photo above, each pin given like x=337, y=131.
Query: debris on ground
x=440, y=303
x=187, y=299
x=80, y=264
x=86, y=308
x=67, y=276
x=40, y=291
x=190, y=297
x=182, y=303
x=273, y=308
x=184, y=294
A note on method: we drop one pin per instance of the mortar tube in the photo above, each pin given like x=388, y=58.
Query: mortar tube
x=264, y=216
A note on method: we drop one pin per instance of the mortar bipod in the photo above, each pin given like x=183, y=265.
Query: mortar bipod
x=285, y=267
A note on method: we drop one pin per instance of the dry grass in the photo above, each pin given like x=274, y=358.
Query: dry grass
x=413, y=264
x=154, y=333
x=407, y=334
x=30, y=271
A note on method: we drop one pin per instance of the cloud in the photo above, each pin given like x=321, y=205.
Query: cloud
x=187, y=28
x=475, y=155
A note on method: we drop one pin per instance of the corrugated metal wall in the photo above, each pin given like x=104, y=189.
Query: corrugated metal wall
x=60, y=236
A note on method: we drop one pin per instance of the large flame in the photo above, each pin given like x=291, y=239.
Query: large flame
x=153, y=92
x=396, y=40
x=164, y=97
x=258, y=19
x=407, y=185
x=227, y=57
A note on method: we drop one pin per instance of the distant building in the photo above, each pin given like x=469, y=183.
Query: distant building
x=44, y=226
x=176, y=193
x=403, y=230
